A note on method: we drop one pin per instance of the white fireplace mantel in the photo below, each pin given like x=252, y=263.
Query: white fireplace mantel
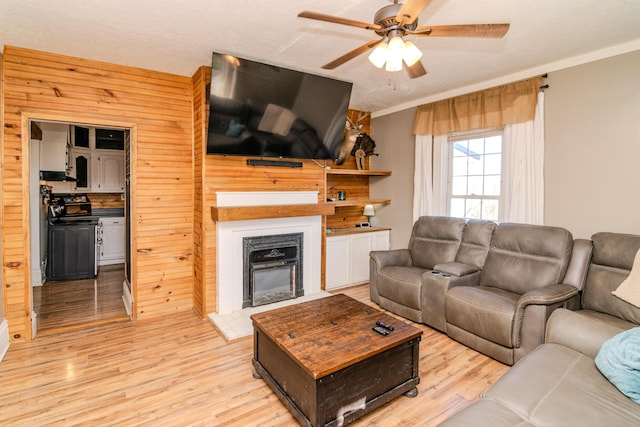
x=230, y=234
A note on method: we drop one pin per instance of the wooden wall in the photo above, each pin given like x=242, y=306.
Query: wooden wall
x=158, y=109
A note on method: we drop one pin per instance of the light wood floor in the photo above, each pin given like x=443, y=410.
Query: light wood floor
x=177, y=371
x=77, y=303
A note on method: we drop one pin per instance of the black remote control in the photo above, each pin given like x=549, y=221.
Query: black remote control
x=381, y=331
x=384, y=325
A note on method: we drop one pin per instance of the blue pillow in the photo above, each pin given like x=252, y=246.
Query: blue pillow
x=619, y=361
x=235, y=129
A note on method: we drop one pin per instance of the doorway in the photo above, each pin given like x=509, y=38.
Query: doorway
x=95, y=161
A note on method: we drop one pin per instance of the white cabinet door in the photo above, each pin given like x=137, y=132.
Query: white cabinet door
x=360, y=248
x=53, y=147
x=109, y=172
x=347, y=257
x=337, y=262
x=380, y=241
x=112, y=246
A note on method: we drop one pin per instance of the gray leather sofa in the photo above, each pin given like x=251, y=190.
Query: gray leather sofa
x=439, y=248
x=559, y=383
x=505, y=313
x=490, y=287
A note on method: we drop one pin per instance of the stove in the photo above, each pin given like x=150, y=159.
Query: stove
x=72, y=249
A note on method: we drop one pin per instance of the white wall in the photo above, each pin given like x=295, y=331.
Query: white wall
x=592, y=147
x=592, y=152
x=395, y=146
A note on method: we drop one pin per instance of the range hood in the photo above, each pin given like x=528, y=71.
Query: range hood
x=55, y=176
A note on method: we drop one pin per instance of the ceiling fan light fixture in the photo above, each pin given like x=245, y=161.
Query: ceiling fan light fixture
x=395, y=54
x=410, y=53
x=379, y=55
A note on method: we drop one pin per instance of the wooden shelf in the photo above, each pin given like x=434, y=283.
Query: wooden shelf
x=354, y=230
x=241, y=213
x=359, y=202
x=357, y=172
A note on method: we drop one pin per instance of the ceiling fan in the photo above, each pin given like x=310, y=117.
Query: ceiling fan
x=392, y=23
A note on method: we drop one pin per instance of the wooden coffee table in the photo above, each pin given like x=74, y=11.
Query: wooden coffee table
x=327, y=365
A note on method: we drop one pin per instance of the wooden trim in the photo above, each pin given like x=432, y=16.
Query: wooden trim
x=274, y=211
x=355, y=230
x=360, y=202
x=357, y=172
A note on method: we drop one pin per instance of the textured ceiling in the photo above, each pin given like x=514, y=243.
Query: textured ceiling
x=178, y=36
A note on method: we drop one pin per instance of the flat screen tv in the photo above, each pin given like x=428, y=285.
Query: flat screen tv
x=262, y=110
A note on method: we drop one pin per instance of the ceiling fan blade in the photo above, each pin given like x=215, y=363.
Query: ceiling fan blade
x=338, y=20
x=410, y=10
x=350, y=55
x=416, y=70
x=465, y=30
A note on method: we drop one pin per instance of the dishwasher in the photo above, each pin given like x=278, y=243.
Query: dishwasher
x=72, y=241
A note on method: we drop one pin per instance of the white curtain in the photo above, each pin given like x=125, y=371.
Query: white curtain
x=523, y=170
x=431, y=174
x=523, y=173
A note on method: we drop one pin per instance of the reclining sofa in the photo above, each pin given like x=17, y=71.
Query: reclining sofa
x=491, y=287
x=560, y=382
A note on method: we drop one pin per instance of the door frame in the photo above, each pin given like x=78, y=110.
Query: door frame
x=88, y=120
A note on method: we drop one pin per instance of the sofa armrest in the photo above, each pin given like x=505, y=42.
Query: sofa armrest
x=396, y=257
x=579, y=332
x=457, y=269
x=380, y=259
x=547, y=295
x=576, y=274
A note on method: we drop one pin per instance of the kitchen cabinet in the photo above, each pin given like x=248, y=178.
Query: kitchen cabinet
x=111, y=239
x=347, y=256
x=53, y=147
x=108, y=172
x=80, y=168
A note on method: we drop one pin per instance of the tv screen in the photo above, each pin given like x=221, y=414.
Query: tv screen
x=258, y=109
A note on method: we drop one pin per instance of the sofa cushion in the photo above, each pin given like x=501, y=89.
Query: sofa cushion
x=615, y=249
x=474, y=246
x=484, y=311
x=555, y=385
x=612, y=259
x=523, y=257
x=486, y=413
x=401, y=284
x=583, y=330
x=435, y=240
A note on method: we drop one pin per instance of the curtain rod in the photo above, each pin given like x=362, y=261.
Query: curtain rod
x=543, y=87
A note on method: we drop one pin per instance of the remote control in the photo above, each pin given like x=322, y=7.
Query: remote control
x=381, y=331
x=384, y=325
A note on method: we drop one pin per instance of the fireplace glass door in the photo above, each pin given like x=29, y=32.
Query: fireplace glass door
x=272, y=269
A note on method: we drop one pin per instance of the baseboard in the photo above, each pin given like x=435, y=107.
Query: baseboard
x=4, y=338
x=127, y=298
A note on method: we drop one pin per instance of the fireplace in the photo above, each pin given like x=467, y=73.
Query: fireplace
x=230, y=237
x=272, y=268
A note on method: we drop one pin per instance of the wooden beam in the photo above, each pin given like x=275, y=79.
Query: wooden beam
x=240, y=213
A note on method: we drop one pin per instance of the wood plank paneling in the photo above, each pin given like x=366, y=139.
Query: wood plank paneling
x=200, y=81
x=158, y=107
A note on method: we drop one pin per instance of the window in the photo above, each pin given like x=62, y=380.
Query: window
x=475, y=180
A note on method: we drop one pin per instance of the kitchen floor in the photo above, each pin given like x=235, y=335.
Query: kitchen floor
x=72, y=304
